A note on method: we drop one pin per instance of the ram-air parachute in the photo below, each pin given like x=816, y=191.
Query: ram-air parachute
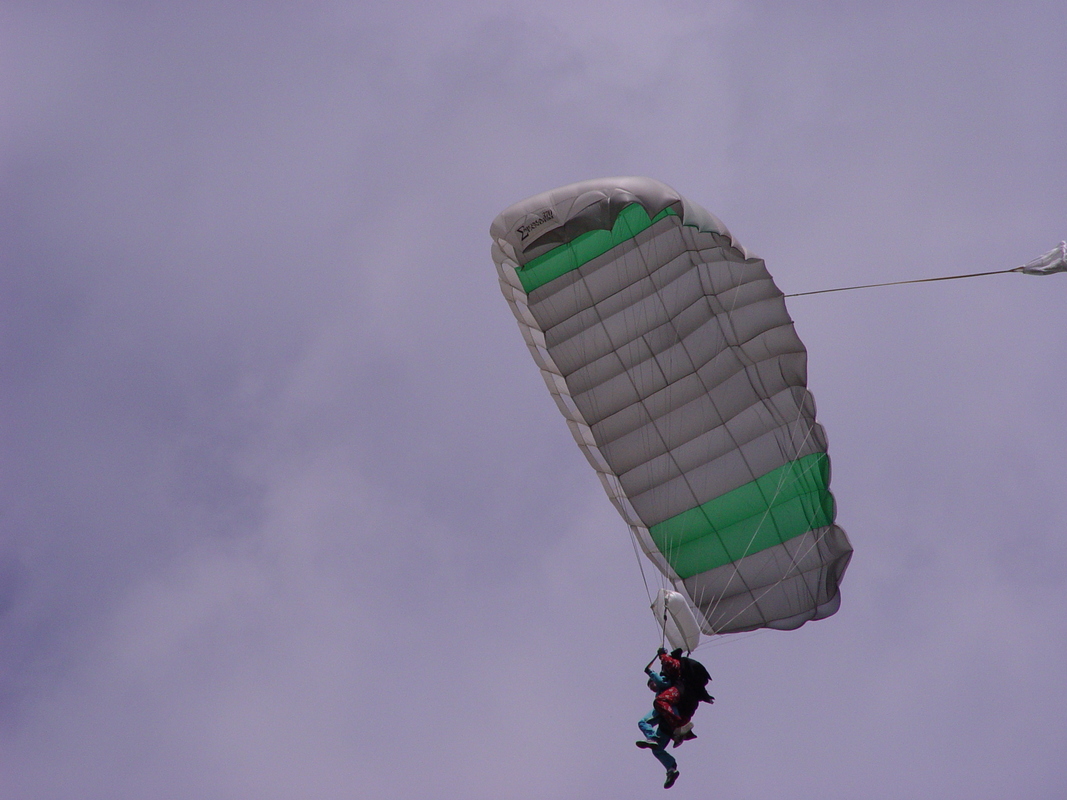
x=669, y=350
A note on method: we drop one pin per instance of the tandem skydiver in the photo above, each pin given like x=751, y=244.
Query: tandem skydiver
x=679, y=688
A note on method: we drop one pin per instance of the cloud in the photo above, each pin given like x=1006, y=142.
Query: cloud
x=291, y=512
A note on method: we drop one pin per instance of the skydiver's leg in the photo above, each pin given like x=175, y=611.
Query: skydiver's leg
x=668, y=716
x=649, y=724
x=661, y=754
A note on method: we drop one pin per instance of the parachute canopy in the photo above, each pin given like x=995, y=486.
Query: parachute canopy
x=669, y=351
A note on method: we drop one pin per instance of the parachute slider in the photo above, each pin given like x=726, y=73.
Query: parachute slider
x=676, y=618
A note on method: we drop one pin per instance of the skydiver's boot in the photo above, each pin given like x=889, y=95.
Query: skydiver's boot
x=648, y=744
x=672, y=776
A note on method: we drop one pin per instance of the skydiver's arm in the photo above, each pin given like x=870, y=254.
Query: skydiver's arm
x=659, y=653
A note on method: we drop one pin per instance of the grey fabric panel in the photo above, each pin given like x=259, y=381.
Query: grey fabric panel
x=666, y=341
x=688, y=411
x=719, y=367
x=781, y=587
x=673, y=491
x=594, y=386
x=609, y=273
x=627, y=314
x=688, y=445
x=681, y=440
x=746, y=322
x=599, y=336
x=679, y=324
x=630, y=311
x=671, y=363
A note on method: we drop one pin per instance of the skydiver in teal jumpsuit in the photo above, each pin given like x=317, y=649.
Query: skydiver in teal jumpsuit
x=658, y=725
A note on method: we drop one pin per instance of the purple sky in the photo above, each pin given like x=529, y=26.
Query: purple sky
x=287, y=511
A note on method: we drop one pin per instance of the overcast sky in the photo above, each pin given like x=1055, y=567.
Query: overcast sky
x=287, y=511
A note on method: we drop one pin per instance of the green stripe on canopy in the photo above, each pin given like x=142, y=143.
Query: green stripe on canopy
x=567, y=257
x=786, y=502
